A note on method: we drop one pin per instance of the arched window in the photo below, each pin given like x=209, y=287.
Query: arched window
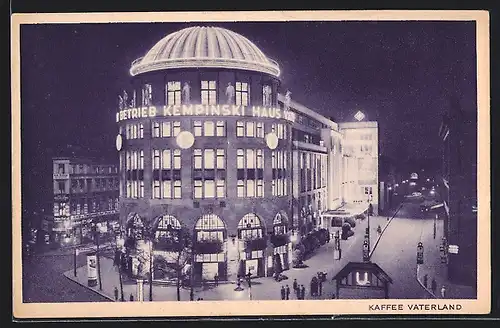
x=210, y=227
x=135, y=226
x=250, y=227
x=279, y=224
x=168, y=227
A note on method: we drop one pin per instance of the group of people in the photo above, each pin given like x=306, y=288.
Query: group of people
x=434, y=286
x=299, y=291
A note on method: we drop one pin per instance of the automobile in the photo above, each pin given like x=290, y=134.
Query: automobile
x=346, y=231
x=351, y=221
x=416, y=194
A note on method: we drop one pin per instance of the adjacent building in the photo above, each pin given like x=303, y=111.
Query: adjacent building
x=208, y=142
x=458, y=190
x=86, y=194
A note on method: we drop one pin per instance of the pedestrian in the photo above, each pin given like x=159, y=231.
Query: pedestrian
x=379, y=230
x=295, y=286
x=333, y=296
x=283, y=292
x=303, y=292
x=216, y=278
x=443, y=291
x=287, y=290
x=131, y=298
x=313, y=287
x=116, y=294
x=425, y=280
x=433, y=285
x=320, y=285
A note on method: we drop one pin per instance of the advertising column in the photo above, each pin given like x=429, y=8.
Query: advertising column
x=92, y=269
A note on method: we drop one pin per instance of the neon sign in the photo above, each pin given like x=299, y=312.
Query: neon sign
x=205, y=110
x=362, y=282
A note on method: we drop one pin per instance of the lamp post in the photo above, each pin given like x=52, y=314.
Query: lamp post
x=75, y=254
x=119, y=247
x=150, y=269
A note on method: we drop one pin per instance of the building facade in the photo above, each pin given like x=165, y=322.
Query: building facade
x=458, y=191
x=209, y=143
x=85, y=193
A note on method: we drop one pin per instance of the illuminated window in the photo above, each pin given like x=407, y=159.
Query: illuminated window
x=267, y=95
x=250, y=129
x=156, y=159
x=209, y=159
x=167, y=159
x=208, y=93
x=250, y=159
x=240, y=188
x=147, y=95
x=221, y=129
x=210, y=227
x=177, y=128
x=220, y=158
x=240, y=159
x=156, y=189
x=177, y=159
x=250, y=227
x=260, y=130
x=167, y=189
x=134, y=186
x=197, y=128
x=208, y=173
x=177, y=189
x=198, y=158
x=173, y=92
x=209, y=128
x=221, y=189
x=242, y=93
x=240, y=129
x=156, y=129
x=260, y=159
x=166, y=129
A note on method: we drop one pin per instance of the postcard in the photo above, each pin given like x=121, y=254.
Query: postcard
x=171, y=164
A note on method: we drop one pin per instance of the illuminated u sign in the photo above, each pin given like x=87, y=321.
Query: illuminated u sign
x=365, y=280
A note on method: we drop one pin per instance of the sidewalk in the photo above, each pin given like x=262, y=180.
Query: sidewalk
x=434, y=269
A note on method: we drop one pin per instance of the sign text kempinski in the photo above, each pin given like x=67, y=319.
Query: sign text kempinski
x=205, y=110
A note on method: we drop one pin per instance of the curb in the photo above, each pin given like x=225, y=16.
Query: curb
x=383, y=230
x=421, y=284
x=87, y=287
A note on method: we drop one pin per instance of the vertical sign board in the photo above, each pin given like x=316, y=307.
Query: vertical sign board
x=92, y=269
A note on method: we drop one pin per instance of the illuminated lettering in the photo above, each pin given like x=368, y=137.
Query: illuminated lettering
x=256, y=111
x=235, y=110
x=225, y=110
x=215, y=110
x=263, y=112
x=365, y=280
x=205, y=110
x=272, y=112
x=187, y=110
x=278, y=113
x=198, y=110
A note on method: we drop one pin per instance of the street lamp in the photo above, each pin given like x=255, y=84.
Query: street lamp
x=120, y=243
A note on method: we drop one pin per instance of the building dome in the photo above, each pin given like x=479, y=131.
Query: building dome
x=211, y=47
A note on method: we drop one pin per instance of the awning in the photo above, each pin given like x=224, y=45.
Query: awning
x=346, y=211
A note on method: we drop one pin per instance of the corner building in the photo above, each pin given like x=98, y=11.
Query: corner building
x=206, y=142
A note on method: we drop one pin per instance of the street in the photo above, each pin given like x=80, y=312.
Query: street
x=395, y=253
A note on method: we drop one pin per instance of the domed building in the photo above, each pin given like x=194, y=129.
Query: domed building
x=209, y=145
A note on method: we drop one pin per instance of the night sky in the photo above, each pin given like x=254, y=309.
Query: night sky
x=401, y=74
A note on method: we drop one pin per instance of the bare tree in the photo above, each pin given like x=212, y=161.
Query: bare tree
x=174, y=266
